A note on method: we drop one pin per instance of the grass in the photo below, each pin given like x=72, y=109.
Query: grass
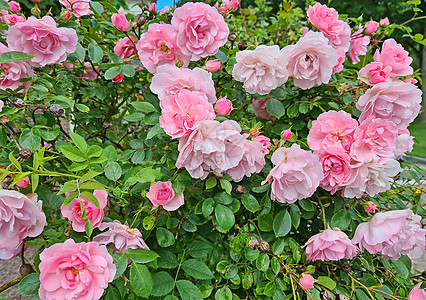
x=418, y=130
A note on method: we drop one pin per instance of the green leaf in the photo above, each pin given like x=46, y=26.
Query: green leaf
x=121, y=261
x=164, y=237
x=113, y=171
x=79, y=53
x=361, y=295
x=73, y=153
x=206, y=290
x=30, y=139
x=275, y=107
x=138, y=157
x=95, y=52
x=224, y=216
x=4, y=5
x=14, y=161
x=250, y=203
x=29, y=285
x=12, y=56
x=223, y=294
x=226, y=185
x=163, y=284
x=128, y=70
x=91, y=198
x=97, y=7
x=188, y=291
x=341, y=219
x=400, y=268
x=282, y=223
x=78, y=141
x=327, y=282
x=141, y=280
x=112, y=72
x=89, y=175
x=211, y=182
x=262, y=262
x=295, y=215
x=199, y=249
x=223, y=198
x=197, y=269
x=83, y=108
x=144, y=106
x=70, y=198
x=207, y=207
x=154, y=131
x=306, y=204
x=141, y=256
x=88, y=228
x=265, y=222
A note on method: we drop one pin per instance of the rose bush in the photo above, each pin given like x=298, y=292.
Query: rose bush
x=208, y=150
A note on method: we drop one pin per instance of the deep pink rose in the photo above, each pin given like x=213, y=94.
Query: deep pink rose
x=67, y=15
x=330, y=245
x=183, y=110
x=41, y=38
x=417, y=293
x=223, y=106
x=358, y=45
x=332, y=129
x=374, y=73
x=12, y=72
x=341, y=58
x=259, y=109
x=158, y=46
x=23, y=183
x=311, y=60
x=119, y=78
x=20, y=217
x=404, y=143
x=307, y=281
x=213, y=65
x=14, y=6
x=79, y=8
x=296, y=174
x=94, y=214
x=394, y=56
x=254, y=132
x=384, y=22
x=261, y=70
x=374, y=139
x=170, y=79
x=336, y=167
x=265, y=141
x=13, y=19
x=201, y=30
x=120, y=21
x=75, y=271
x=161, y=193
x=371, y=27
x=371, y=207
x=396, y=101
x=122, y=236
x=286, y=134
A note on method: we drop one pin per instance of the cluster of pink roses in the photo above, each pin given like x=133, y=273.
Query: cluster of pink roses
x=12, y=19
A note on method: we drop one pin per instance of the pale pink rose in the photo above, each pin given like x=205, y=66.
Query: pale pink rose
x=21, y=216
x=416, y=293
x=14, y=6
x=120, y=21
x=404, y=143
x=213, y=65
x=14, y=19
x=327, y=21
x=211, y=146
x=41, y=38
x=118, y=78
x=183, y=110
x=259, y=109
x=12, y=72
x=153, y=8
x=296, y=174
x=396, y=101
x=230, y=4
x=341, y=58
x=261, y=70
x=122, y=236
x=170, y=79
x=307, y=281
x=371, y=207
x=73, y=211
x=201, y=30
x=161, y=193
x=125, y=48
x=411, y=80
x=336, y=167
x=330, y=245
x=311, y=60
x=332, y=129
x=358, y=45
x=89, y=73
x=72, y=270
x=265, y=141
x=384, y=22
x=374, y=73
x=79, y=8
x=164, y=10
x=304, y=30
x=23, y=183
x=286, y=134
x=252, y=161
x=223, y=106
x=374, y=139
x=371, y=27
x=370, y=178
x=158, y=46
x=394, y=56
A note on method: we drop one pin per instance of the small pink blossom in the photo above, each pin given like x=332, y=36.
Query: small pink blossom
x=223, y=106
x=341, y=58
x=307, y=281
x=371, y=27
x=254, y=132
x=120, y=21
x=336, y=167
x=23, y=183
x=371, y=207
x=67, y=15
x=265, y=141
x=394, y=56
x=13, y=19
x=231, y=4
x=79, y=8
x=14, y=6
x=161, y=193
x=118, y=78
x=164, y=10
x=404, y=143
x=384, y=22
x=358, y=45
x=89, y=73
x=213, y=65
x=13, y=72
x=259, y=108
x=416, y=293
x=411, y=80
x=375, y=72
x=153, y=8
x=286, y=134
x=125, y=47
x=304, y=30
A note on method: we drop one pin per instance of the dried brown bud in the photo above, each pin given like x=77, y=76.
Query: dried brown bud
x=242, y=45
x=232, y=37
x=26, y=269
x=307, y=119
x=131, y=129
x=56, y=110
x=239, y=189
x=141, y=21
x=105, y=125
x=218, y=173
x=19, y=103
x=25, y=153
x=341, y=297
x=264, y=246
x=169, y=17
x=253, y=244
x=346, y=267
x=326, y=295
x=105, y=58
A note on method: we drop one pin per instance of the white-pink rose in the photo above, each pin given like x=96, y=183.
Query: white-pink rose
x=162, y=193
x=265, y=142
x=341, y=58
x=416, y=293
x=404, y=143
x=13, y=72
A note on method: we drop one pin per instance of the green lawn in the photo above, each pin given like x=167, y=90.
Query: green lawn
x=418, y=130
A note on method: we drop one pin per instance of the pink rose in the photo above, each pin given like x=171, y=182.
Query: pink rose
x=119, y=21
x=122, y=236
x=164, y=10
x=384, y=22
x=14, y=6
x=261, y=70
x=158, y=46
x=201, y=30
x=73, y=211
x=371, y=27
x=14, y=19
x=252, y=161
x=375, y=72
x=330, y=245
x=396, y=101
x=404, y=143
x=336, y=167
x=23, y=183
x=358, y=45
x=21, y=216
x=118, y=78
x=211, y=146
x=254, y=132
x=223, y=106
x=374, y=139
x=341, y=58
x=75, y=271
x=183, y=110
x=153, y=8
x=371, y=207
x=265, y=142
x=306, y=281
x=213, y=65
x=411, y=80
x=79, y=8
x=394, y=56
x=170, y=79
x=230, y=4
x=311, y=60
x=417, y=293
x=259, y=109
x=89, y=73
x=13, y=72
x=286, y=134
x=41, y=38
x=332, y=129
x=296, y=174
x=161, y=193
x=125, y=47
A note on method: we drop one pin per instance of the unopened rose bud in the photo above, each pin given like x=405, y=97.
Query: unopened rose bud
x=153, y=8
x=223, y=106
x=120, y=21
x=35, y=11
x=264, y=246
x=371, y=27
x=242, y=45
x=14, y=6
x=23, y=183
x=56, y=110
x=232, y=37
x=254, y=132
x=118, y=78
x=25, y=153
x=213, y=65
x=179, y=63
x=384, y=22
x=239, y=189
x=253, y=244
x=306, y=281
x=287, y=134
x=371, y=207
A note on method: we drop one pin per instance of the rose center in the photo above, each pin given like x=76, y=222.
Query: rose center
x=164, y=48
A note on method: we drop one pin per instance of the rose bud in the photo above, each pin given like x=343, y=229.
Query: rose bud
x=223, y=106
x=14, y=6
x=213, y=65
x=384, y=22
x=23, y=183
x=286, y=134
x=119, y=20
x=118, y=78
x=306, y=281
